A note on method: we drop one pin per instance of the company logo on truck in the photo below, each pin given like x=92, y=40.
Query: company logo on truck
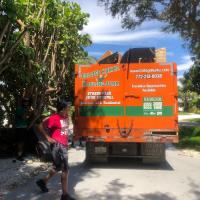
x=95, y=84
x=100, y=76
x=98, y=73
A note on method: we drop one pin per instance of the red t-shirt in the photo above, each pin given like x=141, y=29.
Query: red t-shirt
x=58, y=126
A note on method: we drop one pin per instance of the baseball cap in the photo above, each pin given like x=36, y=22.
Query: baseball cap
x=61, y=104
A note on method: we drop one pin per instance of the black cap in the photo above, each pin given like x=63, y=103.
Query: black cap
x=61, y=104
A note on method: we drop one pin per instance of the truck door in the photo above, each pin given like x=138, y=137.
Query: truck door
x=151, y=97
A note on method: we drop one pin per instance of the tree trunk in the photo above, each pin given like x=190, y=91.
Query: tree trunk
x=4, y=31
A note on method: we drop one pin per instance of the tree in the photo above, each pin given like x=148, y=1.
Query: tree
x=87, y=60
x=11, y=16
x=179, y=16
x=184, y=93
x=190, y=90
x=193, y=77
x=42, y=45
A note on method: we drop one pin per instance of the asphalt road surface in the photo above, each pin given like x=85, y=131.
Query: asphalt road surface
x=123, y=179
x=184, y=120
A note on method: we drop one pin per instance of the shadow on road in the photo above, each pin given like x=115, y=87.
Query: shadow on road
x=130, y=163
x=189, y=124
x=194, y=188
x=109, y=195
x=114, y=190
x=81, y=172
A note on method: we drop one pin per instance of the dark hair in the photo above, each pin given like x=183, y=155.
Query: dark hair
x=61, y=104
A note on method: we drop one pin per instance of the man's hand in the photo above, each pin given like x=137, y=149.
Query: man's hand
x=50, y=140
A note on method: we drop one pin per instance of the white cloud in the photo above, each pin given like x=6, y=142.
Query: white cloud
x=105, y=29
x=99, y=21
x=186, y=64
x=127, y=36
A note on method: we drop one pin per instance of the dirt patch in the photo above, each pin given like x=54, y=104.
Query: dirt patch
x=190, y=153
x=14, y=173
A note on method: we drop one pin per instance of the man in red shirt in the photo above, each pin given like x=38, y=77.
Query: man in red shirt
x=55, y=130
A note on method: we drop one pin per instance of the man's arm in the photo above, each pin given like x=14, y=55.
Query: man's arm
x=44, y=133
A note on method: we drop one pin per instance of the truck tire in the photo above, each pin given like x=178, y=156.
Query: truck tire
x=153, y=153
x=91, y=156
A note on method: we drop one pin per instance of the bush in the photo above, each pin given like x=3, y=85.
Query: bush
x=189, y=137
x=196, y=131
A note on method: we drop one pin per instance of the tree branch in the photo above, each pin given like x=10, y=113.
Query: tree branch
x=48, y=48
x=7, y=37
x=53, y=60
x=10, y=52
x=43, y=20
x=41, y=9
x=21, y=23
x=63, y=69
x=4, y=31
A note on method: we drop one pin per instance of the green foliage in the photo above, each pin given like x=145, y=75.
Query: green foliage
x=86, y=61
x=196, y=131
x=190, y=142
x=178, y=16
x=189, y=137
x=193, y=76
x=188, y=95
x=184, y=113
x=41, y=41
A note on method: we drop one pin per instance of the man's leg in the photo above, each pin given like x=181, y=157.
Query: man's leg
x=65, y=173
x=42, y=183
x=64, y=182
x=56, y=162
x=20, y=142
x=51, y=173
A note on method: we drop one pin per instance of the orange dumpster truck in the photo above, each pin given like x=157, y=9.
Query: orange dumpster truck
x=126, y=106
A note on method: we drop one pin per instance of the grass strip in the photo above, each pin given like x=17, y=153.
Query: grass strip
x=189, y=137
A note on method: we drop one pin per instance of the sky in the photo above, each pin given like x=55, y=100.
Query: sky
x=107, y=34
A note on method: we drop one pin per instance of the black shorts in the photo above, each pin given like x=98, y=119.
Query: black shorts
x=60, y=157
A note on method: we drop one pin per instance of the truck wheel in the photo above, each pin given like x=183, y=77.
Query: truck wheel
x=153, y=153
x=91, y=156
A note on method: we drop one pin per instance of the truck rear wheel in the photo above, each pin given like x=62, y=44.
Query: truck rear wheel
x=153, y=153
x=96, y=152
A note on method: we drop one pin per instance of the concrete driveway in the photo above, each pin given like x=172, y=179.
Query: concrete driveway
x=123, y=179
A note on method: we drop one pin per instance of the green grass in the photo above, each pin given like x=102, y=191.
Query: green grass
x=184, y=113
x=192, y=120
x=189, y=137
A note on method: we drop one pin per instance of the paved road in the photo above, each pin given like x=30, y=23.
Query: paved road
x=183, y=120
x=124, y=179
x=190, y=116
